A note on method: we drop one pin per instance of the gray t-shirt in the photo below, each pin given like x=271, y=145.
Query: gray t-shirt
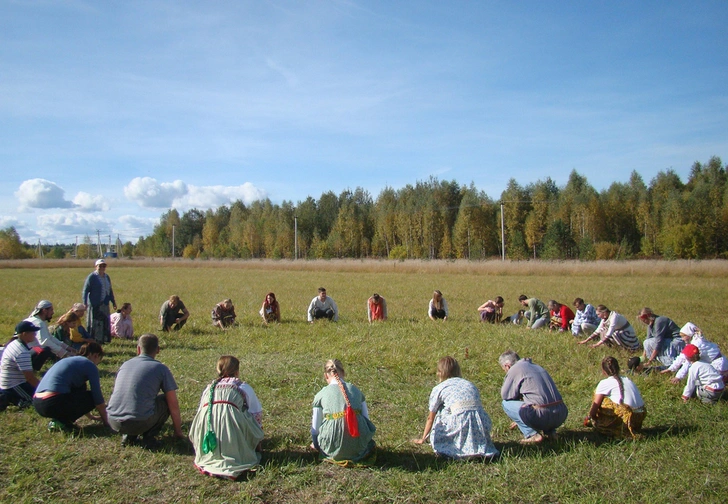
x=138, y=382
x=530, y=383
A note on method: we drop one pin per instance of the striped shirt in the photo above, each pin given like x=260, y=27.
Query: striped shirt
x=16, y=359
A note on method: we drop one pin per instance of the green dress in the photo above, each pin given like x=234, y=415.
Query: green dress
x=237, y=432
x=332, y=435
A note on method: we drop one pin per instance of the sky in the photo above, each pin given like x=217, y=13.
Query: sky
x=114, y=112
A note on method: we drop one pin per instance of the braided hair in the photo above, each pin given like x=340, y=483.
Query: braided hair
x=611, y=367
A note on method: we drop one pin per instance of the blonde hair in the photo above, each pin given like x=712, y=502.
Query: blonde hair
x=68, y=318
x=334, y=366
x=448, y=367
x=227, y=366
x=174, y=299
x=437, y=299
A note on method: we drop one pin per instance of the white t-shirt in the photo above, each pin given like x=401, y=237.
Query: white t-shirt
x=610, y=387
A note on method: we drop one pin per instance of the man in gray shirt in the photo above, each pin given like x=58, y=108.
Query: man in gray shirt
x=530, y=398
x=135, y=407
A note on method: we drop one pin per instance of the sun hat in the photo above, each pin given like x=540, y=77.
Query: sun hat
x=99, y=261
x=26, y=326
x=78, y=307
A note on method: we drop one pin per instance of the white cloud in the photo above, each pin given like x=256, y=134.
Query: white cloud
x=65, y=227
x=7, y=221
x=88, y=203
x=149, y=193
x=41, y=193
x=215, y=196
x=132, y=227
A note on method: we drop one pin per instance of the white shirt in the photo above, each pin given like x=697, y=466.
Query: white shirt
x=704, y=375
x=609, y=387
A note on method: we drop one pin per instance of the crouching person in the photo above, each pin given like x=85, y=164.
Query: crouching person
x=135, y=408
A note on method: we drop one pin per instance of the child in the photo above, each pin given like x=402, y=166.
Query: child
x=709, y=352
x=64, y=324
x=703, y=380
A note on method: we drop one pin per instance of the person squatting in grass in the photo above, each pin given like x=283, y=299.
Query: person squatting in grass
x=560, y=315
x=437, y=309
x=376, y=308
x=492, y=310
x=663, y=341
x=64, y=324
x=530, y=398
x=96, y=295
x=614, y=329
x=173, y=314
x=271, y=310
x=17, y=380
x=45, y=346
x=709, y=352
x=457, y=424
x=227, y=430
x=585, y=318
x=536, y=312
x=62, y=395
x=136, y=408
x=340, y=427
x=223, y=315
x=704, y=382
x=122, y=325
x=617, y=409
x=322, y=307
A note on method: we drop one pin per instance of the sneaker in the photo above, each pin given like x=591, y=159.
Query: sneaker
x=127, y=440
x=57, y=425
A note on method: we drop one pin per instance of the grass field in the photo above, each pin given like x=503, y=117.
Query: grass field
x=680, y=459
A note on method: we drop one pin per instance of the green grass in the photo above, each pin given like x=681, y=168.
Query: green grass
x=393, y=363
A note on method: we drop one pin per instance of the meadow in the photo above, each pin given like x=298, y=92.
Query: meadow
x=681, y=457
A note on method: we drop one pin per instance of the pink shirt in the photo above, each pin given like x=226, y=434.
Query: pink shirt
x=121, y=327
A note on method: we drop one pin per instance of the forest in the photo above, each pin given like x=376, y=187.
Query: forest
x=437, y=219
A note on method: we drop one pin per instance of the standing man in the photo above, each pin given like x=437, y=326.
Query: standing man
x=536, y=312
x=376, y=308
x=97, y=294
x=322, y=306
x=45, y=346
x=135, y=407
x=173, y=314
x=530, y=398
x=17, y=380
x=663, y=342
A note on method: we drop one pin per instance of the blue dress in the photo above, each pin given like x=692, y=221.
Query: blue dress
x=462, y=427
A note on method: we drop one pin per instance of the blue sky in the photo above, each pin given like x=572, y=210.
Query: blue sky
x=112, y=112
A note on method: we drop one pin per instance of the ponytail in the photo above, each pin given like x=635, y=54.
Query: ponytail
x=610, y=365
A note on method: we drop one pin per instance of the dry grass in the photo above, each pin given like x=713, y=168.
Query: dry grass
x=714, y=268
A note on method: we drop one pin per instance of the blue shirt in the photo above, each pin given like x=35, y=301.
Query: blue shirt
x=587, y=316
x=72, y=373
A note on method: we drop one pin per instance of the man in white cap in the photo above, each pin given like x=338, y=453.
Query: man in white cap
x=17, y=380
x=97, y=294
x=45, y=346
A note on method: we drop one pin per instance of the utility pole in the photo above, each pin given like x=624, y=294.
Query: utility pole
x=295, y=237
x=98, y=242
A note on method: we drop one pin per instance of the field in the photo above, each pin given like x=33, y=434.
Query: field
x=680, y=459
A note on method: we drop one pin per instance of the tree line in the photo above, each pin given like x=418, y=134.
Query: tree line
x=436, y=219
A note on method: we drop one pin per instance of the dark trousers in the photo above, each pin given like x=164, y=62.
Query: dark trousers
x=147, y=427
x=39, y=355
x=20, y=395
x=318, y=313
x=65, y=407
x=438, y=314
x=169, y=322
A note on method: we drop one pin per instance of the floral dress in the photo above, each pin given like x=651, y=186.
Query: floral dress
x=462, y=427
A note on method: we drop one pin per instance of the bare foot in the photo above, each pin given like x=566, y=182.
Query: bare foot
x=535, y=439
x=513, y=425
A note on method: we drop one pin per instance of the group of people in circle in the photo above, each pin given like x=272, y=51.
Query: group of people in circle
x=227, y=429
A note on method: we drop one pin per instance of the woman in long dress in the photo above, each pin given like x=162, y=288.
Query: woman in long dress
x=337, y=436
x=457, y=424
x=227, y=429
